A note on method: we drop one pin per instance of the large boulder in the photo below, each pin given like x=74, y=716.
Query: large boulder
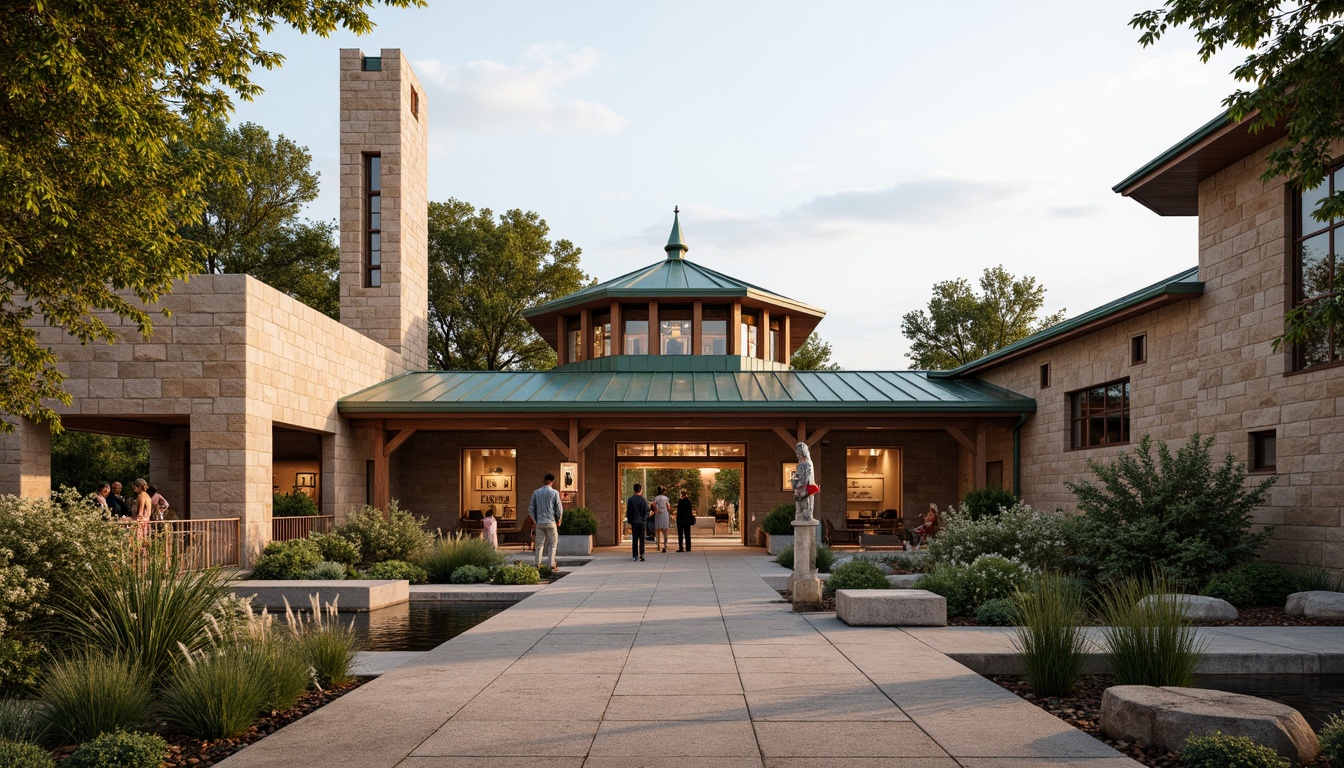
x=1199, y=607
x=1166, y=717
x=1316, y=605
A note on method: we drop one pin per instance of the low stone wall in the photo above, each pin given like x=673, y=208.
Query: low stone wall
x=349, y=595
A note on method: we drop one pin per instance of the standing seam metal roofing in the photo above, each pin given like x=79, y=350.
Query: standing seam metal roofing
x=505, y=392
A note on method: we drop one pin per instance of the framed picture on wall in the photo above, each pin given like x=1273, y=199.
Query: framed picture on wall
x=496, y=498
x=568, y=479
x=787, y=472
x=305, y=479
x=494, y=482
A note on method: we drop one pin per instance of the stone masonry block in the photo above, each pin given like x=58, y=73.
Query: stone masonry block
x=890, y=608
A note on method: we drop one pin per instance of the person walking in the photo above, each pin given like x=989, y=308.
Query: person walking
x=685, y=519
x=662, y=518
x=546, y=511
x=637, y=515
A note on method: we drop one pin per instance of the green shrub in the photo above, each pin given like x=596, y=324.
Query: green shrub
x=286, y=560
x=1177, y=514
x=987, y=502
x=396, y=536
x=22, y=754
x=908, y=562
x=327, y=571
x=999, y=612
x=335, y=548
x=398, y=569
x=780, y=520
x=1252, y=584
x=825, y=558
x=451, y=553
x=21, y=720
x=20, y=662
x=1332, y=740
x=296, y=503
x=785, y=557
x=967, y=587
x=89, y=693
x=146, y=606
x=216, y=695
x=856, y=574
x=1037, y=539
x=1222, y=751
x=120, y=750
x=470, y=574
x=326, y=646
x=1148, y=642
x=1049, y=637
x=1317, y=579
x=578, y=522
x=517, y=573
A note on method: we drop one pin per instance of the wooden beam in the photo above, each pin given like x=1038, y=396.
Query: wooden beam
x=573, y=452
x=617, y=329
x=763, y=335
x=980, y=454
x=785, y=436
x=785, y=351
x=396, y=442
x=381, y=469
x=735, y=329
x=655, y=337
x=556, y=441
x=463, y=422
x=586, y=334
x=802, y=430
x=816, y=436
x=962, y=439
x=697, y=325
x=561, y=340
x=589, y=438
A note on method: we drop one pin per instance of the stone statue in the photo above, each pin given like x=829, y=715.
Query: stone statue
x=802, y=478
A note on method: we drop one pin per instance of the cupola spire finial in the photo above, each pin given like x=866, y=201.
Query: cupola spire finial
x=676, y=246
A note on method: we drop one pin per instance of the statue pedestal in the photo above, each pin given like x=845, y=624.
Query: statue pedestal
x=805, y=585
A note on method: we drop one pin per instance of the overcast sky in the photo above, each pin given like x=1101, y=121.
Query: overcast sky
x=845, y=154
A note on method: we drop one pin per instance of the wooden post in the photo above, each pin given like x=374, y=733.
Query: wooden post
x=697, y=326
x=381, y=492
x=617, y=330
x=585, y=334
x=785, y=352
x=763, y=335
x=735, y=329
x=561, y=340
x=655, y=338
x=980, y=455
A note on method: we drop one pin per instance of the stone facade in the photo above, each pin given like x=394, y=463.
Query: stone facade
x=1210, y=368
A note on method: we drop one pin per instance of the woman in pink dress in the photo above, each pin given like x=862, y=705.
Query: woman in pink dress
x=143, y=506
x=488, y=528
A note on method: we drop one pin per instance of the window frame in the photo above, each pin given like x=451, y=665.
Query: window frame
x=1138, y=349
x=1293, y=297
x=1255, y=463
x=1045, y=376
x=1085, y=418
x=373, y=273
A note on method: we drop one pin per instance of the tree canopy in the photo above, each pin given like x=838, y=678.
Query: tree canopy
x=813, y=355
x=961, y=325
x=483, y=272
x=251, y=222
x=1293, y=69
x=96, y=96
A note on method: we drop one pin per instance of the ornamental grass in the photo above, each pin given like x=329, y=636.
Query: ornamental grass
x=1148, y=641
x=1049, y=638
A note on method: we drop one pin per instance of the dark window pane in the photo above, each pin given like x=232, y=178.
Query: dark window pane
x=1309, y=200
x=376, y=203
x=375, y=241
x=1316, y=349
x=375, y=258
x=375, y=173
x=375, y=221
x=1314, y=254
x=1096, y=429
x=375, y=278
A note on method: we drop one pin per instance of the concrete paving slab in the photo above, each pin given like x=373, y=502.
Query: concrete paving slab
x=676, y=738
x=510, y=738
x=651, y=761
x=375, y=663
x=861, y=762
x=872, y=707
x=696, y=707
x=1049, y=762
x=677, y=684
x=845, y=740
x=495, y=762
x=852, y=683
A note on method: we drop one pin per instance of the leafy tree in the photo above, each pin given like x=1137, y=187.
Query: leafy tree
x=251, y=223
x=483, y=273
x=813, y=355
x=675, y=481
x=961, y=326
x=82, y=460
x=1180, y=514
x=92, y=191
x=1293, y=67
x=727, y=486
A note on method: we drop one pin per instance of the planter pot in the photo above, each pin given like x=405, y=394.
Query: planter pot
x=776, y=544
x=574, y=545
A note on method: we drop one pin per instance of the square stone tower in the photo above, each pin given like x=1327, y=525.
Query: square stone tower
x=384, y=203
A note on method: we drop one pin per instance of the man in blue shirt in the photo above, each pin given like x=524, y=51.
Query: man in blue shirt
x=637, y=514
x=546, y=511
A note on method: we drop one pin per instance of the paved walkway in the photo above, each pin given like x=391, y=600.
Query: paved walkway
x=685, y=661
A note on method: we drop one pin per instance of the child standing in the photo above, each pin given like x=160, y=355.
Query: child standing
x=488, y=526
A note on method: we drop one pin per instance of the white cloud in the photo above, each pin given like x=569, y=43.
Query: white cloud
x=488, y=96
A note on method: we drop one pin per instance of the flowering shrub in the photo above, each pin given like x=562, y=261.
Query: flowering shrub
x=396, y=536
x=967, y=587
x=1036, y=539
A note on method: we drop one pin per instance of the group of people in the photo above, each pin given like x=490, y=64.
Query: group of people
x=145, y=504
x=642, y=516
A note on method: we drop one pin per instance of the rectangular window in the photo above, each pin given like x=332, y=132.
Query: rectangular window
x=489, y=483
x=634, y=449
x=1100, y=415
x=372, y=64
x=573, y=340
x=1316, y=272
x=415, y=104
x=714, y=331
x=1264, y=451
x=1138, y=349
x=683, y=449
x=636, y=331
x=750, y=336
x=727, y=449
x=1045, y=375
x=674, y=330
x=772, y=342
x=373, y=225
x=602, y=334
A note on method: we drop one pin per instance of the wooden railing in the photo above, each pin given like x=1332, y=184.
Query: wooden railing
x=288, y=528
x=201, y=543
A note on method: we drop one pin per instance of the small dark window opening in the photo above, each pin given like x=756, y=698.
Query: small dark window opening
x=1045, y=375
x=1100, y=415
x=1138, y=349
x=373, y=223
x=1264, y=451
x=415, y=104
x=372, y=64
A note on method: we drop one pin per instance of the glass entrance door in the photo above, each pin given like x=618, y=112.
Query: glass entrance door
x=714, y=488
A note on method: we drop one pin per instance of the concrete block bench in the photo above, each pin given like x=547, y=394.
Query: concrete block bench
x=349, y=595
x=891, y=608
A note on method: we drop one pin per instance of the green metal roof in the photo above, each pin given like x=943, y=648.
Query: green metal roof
x=1182, y=285
x=1204, y=132
x=675, y=242
x=745, y=392
x=674, y=277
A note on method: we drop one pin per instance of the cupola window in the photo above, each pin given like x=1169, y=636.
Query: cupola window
x=714, y=331
x=750, y=345
x=602, y=334
x=674, y=330
x=636, y=330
